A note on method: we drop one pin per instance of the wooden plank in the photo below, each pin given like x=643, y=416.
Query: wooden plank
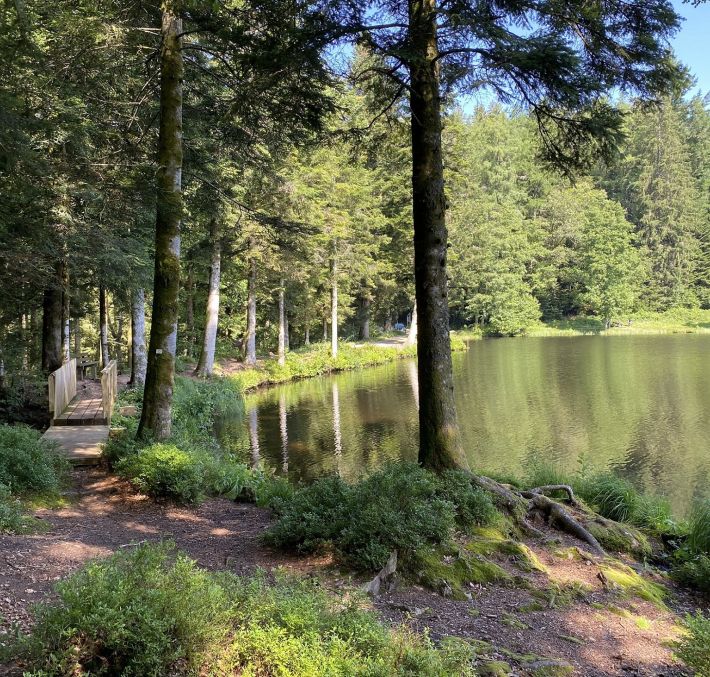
x=81, y=444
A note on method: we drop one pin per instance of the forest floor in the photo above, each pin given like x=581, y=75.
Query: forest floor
x=600, y=632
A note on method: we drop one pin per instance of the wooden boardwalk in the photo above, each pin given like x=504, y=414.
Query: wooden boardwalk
x=81, y=444
x=82, y=412
x=80, y=426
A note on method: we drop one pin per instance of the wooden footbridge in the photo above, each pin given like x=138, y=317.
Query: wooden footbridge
x=79, y=426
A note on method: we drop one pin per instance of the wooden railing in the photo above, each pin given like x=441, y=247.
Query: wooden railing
x=109, y=389
x=62, y=387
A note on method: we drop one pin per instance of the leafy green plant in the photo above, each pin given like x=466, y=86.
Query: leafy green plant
x=694, y=648
x=149, y=611
x=165, y=471
x=698, y=540
x=400, y=507
x=29, y=464
x=692, y=570
x=12, y=519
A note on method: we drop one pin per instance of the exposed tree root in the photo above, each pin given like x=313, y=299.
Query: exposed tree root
x=523, y=506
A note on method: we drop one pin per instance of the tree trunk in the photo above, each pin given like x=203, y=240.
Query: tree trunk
x=282, y=325
x=412, y=335
x=325, y=329
x=103, y=328
x=160, y=376
x=205, y=364
x=439, y=438
x=364, y=316
x=52, y=322
x=307, y=336
x=250, y=357
x=334, y=308
x=287, y=332
x=139, y=356
x=77, y=337
x=190, y=312
x=66, y=345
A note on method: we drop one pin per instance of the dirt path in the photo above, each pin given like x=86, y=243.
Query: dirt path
x=107, y=515
x=601, y=635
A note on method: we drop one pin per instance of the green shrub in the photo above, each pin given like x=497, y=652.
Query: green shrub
x=692, y=570
x=312, y=517
x=474, y=507
x=396, y=508
x=146, y=611
x=12, y=519
x=136, y=613
x=29, y=464
x=164, y=471
x=699, y=527
x=694, y=648
x=400, y=507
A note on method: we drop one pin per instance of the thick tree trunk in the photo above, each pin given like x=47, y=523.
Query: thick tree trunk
x=103, y=328
x=282, y=325
x=139, y=356
x=334, y=308
x=412, y=334
x=52, y=322
x=160, y=376
x=440, y=444
x=364, y=333
x=250, y=355
x=205, y=364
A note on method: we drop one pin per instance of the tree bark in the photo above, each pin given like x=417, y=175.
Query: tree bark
x=139, y=356
x=190, y=312
x=325, y=329
x=282, y=325
x=250, y=357
x=440, y=445
x=52, y=322
x=205, y=365
x=66, y=345
x=287, y=332
x=77, y=337
x=103, y=328
x=412, y=334
x=334, y=307
x=307, y=336
x=160, y=376
x=364, y=333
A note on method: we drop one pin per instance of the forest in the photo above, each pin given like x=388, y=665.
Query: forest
x=201, y=198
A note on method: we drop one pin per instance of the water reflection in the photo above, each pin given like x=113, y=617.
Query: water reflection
x=637, y=404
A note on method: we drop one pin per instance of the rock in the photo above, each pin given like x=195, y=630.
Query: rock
x=494, y=669
x=383, y=580
x=550, y=667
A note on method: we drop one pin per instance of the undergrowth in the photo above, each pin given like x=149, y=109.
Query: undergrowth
x=150, y=611
x=694, y=647
x=400, y=507
x=31, y=470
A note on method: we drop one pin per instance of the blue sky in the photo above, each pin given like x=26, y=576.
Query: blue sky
x=692, y=43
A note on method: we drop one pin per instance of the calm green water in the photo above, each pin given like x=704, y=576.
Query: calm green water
x=638, y=404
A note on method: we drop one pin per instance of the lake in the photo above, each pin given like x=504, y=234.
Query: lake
x=637, y=404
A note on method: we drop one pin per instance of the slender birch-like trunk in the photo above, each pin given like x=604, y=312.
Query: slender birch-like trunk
x=250, y=356
x=334, y=308
x=282, y=325
x=205, y=365
x=139, y=355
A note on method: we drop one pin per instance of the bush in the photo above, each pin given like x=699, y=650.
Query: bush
x=692, y=570
x=149, y=612
x=474, y=507
x=694, y=648
x=27, y=463
x=136, y=613
x=400, y=507
x=164, y=471
x=699, y=528
x=12, y=519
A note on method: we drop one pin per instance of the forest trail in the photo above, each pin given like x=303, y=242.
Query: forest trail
x=105, y=514
x=604, y=634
